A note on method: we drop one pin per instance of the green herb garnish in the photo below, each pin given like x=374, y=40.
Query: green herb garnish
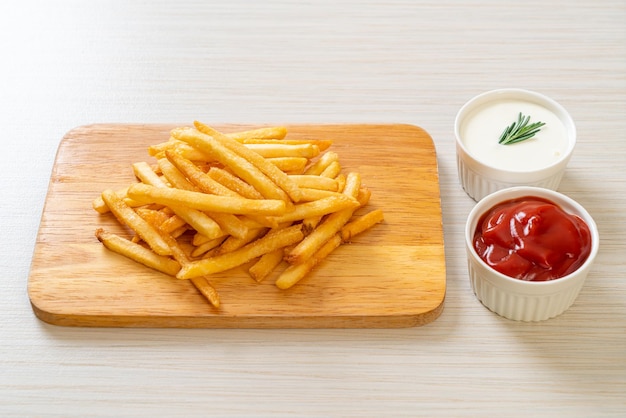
x=520, y=130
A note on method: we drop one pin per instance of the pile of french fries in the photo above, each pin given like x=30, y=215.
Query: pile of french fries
x=216, y=201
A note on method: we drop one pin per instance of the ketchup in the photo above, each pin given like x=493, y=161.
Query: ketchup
x=532, y=239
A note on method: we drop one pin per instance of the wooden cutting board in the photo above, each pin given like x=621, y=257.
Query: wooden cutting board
x=390, y=276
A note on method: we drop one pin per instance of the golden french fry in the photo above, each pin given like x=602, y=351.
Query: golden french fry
x=296, y=272
x=322, y=144
x=315, y=182
x=206, y=202
x=341, y=181
x=243, y=168
x=364, y=196
x=275, y=150
x=146, y=174
x=265, y=265
x=316, y=208
x=271, y=241
x=309, y=195
x=328, y=228
x=207, y=290
x=277, y=176
x=290, y=164
x=266, y=133
x=361, y=224
x=137, y=252
x=127, y=216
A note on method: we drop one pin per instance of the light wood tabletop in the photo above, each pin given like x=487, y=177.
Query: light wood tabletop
x=67, y=64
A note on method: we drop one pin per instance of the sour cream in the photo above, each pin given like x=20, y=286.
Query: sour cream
x=482, y=127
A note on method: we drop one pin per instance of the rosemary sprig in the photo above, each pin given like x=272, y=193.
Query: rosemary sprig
x=520, y=130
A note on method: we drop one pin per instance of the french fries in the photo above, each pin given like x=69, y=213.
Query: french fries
x=213, y=201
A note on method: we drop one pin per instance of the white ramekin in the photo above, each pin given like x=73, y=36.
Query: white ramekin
x=479, y=179
x=518, y=299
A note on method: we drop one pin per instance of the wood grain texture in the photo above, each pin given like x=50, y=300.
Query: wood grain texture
x=391, y=276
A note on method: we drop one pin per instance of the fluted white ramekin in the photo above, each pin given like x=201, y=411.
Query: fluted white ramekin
x=479, y=178
x=518, y=299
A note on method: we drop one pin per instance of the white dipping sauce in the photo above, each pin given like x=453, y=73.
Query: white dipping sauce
x=481, y=130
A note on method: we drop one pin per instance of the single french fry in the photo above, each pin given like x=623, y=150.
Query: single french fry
x=138, y=252
x=275, y=150
x=316, y=208
x=309, y=195
x=265, y=133
x=206, y=202
x=361, y=224
x=127, y=216
x=290, y=164
x=322, y=144
x=328, y=228
x=265, y=265
x=364, y=196
x=341, y=182
x=296, y=272
x=207, y=290
x=243, y=168
x=277, y=176
x=315, y=182
x=271, y=241
x=146, y=174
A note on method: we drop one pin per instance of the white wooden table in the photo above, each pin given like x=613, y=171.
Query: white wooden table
x=69, y=63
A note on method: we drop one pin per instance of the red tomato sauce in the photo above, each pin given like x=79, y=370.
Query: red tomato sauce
x=532, y=239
